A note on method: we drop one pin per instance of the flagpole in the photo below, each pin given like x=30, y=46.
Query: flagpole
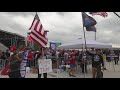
x=84, y=37
x=95, y=35
x=85, y=44
x=38, y=65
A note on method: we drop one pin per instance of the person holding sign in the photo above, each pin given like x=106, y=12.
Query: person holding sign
x=42, y=56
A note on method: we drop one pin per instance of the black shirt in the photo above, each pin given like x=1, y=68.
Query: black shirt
x=97, y=59
x=7, y=54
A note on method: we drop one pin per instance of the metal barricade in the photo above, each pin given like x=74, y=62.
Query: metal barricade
x=2, y=64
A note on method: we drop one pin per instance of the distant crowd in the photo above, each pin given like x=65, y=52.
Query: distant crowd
x=72, y=58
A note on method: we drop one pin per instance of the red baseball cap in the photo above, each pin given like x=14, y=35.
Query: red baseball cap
x=13, y=48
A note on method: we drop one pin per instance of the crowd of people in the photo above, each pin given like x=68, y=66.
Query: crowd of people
x=73, y=58
x=96, y=57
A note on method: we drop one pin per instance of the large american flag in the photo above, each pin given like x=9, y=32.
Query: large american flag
x=38, y=34
x=103, y=14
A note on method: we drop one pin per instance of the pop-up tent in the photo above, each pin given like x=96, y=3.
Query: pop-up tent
x=3, y=47
x=79, y=44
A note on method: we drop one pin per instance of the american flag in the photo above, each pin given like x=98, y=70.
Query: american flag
x=38, y=34
x=29, y=39
x=103, y=14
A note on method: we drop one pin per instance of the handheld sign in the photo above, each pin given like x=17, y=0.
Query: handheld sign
x=45, y=65
x=112, y=56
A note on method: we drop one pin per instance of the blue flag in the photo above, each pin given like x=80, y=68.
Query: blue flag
x=87, y=20
x=53, y=46
x=92, y=28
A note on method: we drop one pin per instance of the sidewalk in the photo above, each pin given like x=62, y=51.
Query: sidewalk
x=113, y=71
x=31, y=75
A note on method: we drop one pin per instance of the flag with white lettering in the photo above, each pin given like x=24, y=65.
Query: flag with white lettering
x=24, y=63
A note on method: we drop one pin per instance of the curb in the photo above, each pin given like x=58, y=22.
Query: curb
x=53, y=75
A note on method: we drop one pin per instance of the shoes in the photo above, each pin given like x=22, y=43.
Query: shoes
x=73, y=75
x=104, y=69
x=70, y=74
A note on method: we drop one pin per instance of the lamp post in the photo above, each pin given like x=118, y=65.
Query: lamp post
x=82, y=44
x=46, y=31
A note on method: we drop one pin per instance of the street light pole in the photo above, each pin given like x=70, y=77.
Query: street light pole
x=46, y=31
x=82, y=44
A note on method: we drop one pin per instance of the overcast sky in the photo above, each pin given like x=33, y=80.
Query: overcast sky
x=63, y=26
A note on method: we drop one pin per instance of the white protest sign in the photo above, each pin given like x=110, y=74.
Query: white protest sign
x=45, y=65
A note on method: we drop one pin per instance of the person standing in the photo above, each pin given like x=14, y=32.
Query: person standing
x=3, y=56
x=7, y=53
x=7, y=56
x=116, y=57
x=97, y=60
x=84, y=63
x=14, y=62
x=42, y=56
x=72, y=65
x=104, y=60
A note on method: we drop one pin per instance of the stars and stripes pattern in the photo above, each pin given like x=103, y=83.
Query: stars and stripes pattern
x=29, y=39
x=103, y=14
x=38, y=34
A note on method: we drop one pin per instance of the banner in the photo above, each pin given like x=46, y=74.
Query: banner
x=58, y=44
x=45, y=65
x=24, y=63
x=53, y=46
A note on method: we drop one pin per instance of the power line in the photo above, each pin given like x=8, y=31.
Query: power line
x=116, y=14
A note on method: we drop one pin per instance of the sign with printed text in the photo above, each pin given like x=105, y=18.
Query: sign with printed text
x=45, y=65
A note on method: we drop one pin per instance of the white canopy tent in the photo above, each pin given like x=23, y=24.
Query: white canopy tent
x=3, y=47
x=79, y=44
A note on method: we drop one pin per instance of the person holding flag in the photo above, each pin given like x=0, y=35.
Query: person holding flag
x=39, y=35
x=14, y=64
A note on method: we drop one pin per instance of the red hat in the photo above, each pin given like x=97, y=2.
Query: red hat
x=13, y=48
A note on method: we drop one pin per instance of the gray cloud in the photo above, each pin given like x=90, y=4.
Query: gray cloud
x=63, y=26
